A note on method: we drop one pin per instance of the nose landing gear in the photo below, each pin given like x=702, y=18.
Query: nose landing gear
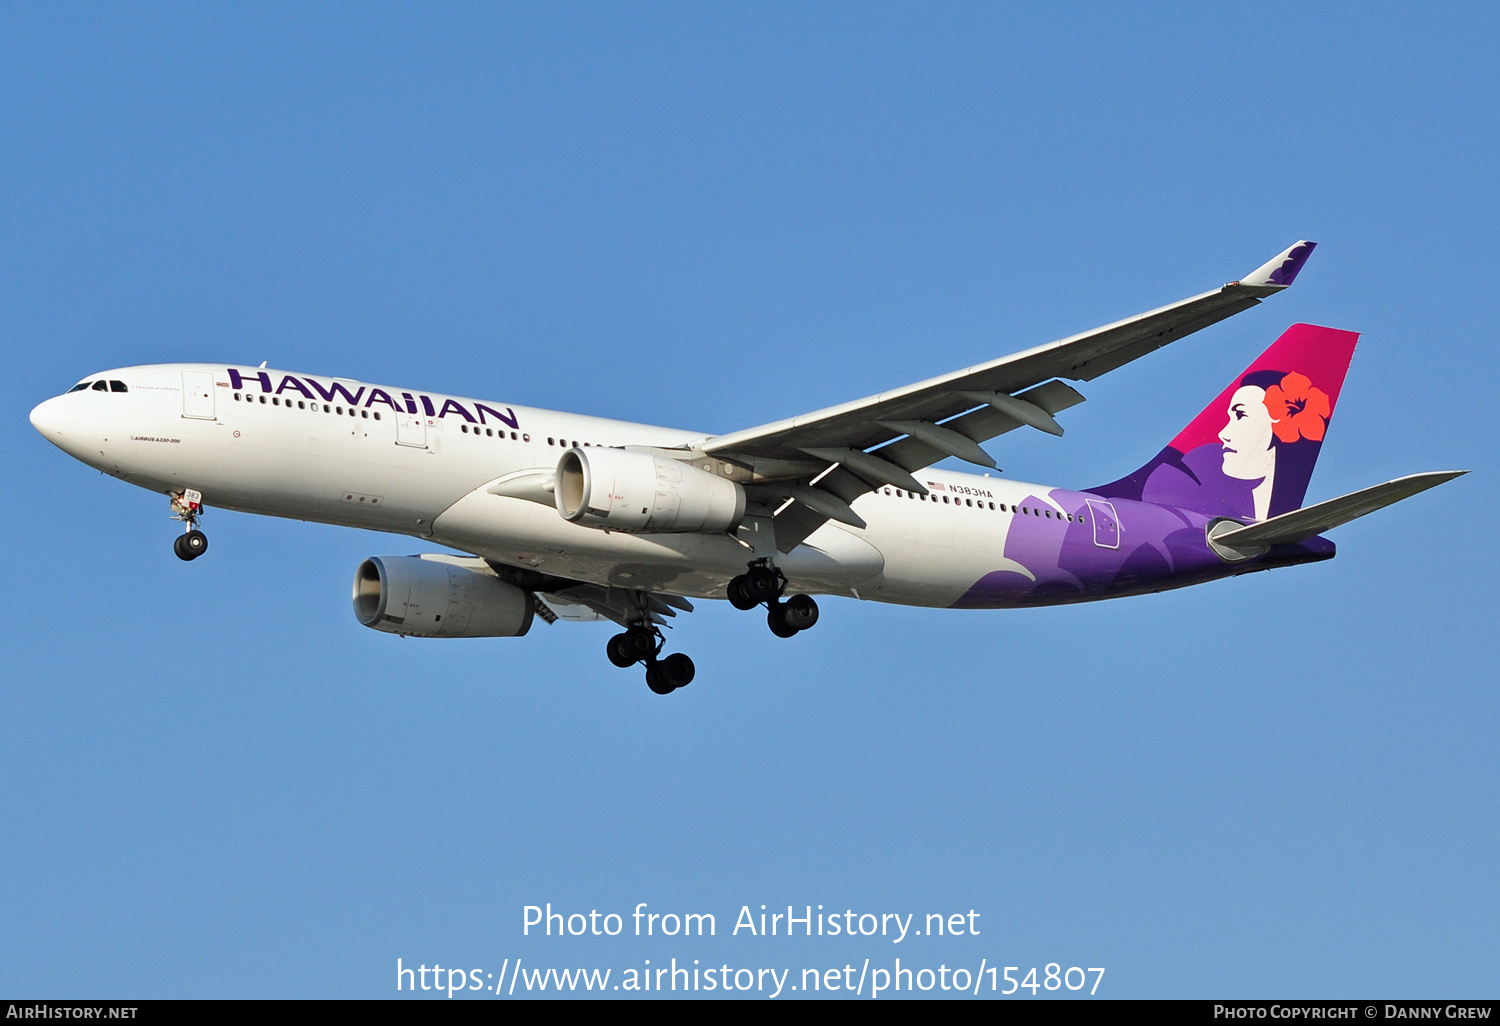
x=191, y=545
x=763, y=583
x=187, y=506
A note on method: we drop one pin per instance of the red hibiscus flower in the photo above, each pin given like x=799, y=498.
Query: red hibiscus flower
x=1297, y=409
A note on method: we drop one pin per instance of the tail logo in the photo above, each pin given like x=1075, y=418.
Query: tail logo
x=1268, y=414
x=1304, y=410
x=1250, y=454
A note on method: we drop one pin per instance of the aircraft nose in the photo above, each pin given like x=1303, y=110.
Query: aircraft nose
x=44, y=417
x=49, y=420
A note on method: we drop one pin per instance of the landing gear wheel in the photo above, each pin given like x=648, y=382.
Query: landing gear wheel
x=739, y=594
x=187, y=506
x=762, y=584
x=655, y=681
x=618, y=653
x=800, y=612
x=776, y=620
x=191, y=545
x=676, y=670
x=639, y=643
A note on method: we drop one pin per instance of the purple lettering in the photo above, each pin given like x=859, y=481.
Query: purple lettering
x=338, y=389
x=454, y=404
x=378, y=395
x=237, y=380
x=411, y=404
x=290, y=382
x=427, y=407
x=508, y=417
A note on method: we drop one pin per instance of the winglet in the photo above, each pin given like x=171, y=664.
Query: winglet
x=1281, y=270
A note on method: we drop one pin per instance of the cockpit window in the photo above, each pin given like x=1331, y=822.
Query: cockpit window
x=118, y=386
x=80, y=386
x=101, y=386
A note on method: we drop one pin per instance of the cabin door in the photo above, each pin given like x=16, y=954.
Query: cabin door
x=411, y=429
x=198, y=395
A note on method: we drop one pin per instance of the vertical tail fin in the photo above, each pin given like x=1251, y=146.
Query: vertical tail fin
x=1250, y=453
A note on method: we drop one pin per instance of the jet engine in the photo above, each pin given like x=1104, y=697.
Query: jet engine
x=636, y=492
x=431, y=597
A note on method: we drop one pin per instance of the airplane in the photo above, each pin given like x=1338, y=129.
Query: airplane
x=570, y=517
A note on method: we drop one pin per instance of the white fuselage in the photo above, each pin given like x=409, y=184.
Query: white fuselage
x=344, y=452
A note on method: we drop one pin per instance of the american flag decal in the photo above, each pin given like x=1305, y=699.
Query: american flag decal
x=935, y=486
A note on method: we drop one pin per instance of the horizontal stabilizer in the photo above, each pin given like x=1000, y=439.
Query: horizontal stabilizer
x=1233, y=542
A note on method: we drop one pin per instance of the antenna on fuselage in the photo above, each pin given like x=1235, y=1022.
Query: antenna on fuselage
x=263, y=365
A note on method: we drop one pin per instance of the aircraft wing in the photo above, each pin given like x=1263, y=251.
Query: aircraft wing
x=824, y=459
x=621, y=605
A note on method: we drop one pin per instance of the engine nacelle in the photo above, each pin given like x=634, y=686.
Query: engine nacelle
x=636, y=492
x=430, y=597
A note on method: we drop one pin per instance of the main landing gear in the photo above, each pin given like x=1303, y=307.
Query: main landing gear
x=763, y=582
x=187, y=506
x=642, y=642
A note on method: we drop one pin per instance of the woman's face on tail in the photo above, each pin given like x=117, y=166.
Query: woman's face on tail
x=1247, y=436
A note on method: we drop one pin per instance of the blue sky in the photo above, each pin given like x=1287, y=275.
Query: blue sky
x=216, y=783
